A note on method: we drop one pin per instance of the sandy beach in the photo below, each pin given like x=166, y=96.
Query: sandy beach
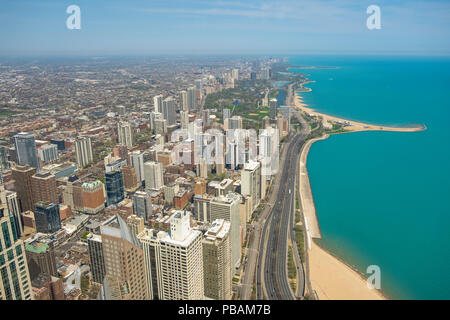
x=334, y=280
x=330, y=277
x=353, y=126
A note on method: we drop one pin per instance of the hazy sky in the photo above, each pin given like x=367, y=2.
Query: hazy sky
x=228, y=27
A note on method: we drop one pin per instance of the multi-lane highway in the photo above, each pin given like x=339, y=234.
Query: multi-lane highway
x=272, y=279
x=275, y=233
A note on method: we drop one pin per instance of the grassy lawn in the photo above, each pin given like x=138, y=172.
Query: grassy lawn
x=300, y=239
x=292, y=272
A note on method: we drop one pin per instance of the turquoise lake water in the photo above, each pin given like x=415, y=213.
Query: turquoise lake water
x=383, y=198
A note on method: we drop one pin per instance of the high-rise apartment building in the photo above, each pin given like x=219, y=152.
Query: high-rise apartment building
x=251, y=182
x=191, y=98
x=26, y=152
x=157, y=103
x=169, y=111
x=184, y=119
x=228, y=208
x=217, y=269
x=96, y=260
x=48, y=153
x=83, y=151
x=93, y=197
x=174, y=262
x=184, y=100
x=124, y=258
x=153, y=174
x=43, y=185
x=130, y=180
x=22, y=180
x=125, y=134
x=137, y=162
x=41, y=257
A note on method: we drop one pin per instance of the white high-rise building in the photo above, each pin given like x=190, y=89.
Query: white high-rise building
x=125, y=134
x=48, y=153
x=83, y=151
x=228, y=208
x=174, y=261
x=169, y=111
x=153, y=175
x=137, y=162
x=251, y=182
x=217, y=269
x=184, y=119
x=184, y=100
x=157, y=103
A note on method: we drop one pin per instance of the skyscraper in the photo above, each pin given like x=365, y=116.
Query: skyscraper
x=251, y=182
x=137, y=162
x=153, y=173
x=4, y=163
x=142, y=205
x=47, y=217
x=157, y=103
x=25, y=145
x=125, y=134
x=114, y=187
x=130, y=181
x=124, y=258
x=96, y=259
x=184, y=100
x=169, y=111
x=184, y=119
x=48, y=153
x=13, y=205
x=22, y=177
x=41, y=257
x=15, y=282
x=93, y=197
x=43, y=185
x=174, y=262
x=83, y=151
x=192, y=98
x=217, y=270
x=228, y=208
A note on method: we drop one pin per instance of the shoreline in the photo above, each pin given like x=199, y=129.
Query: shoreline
x=350, y=125
x=330, y=276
